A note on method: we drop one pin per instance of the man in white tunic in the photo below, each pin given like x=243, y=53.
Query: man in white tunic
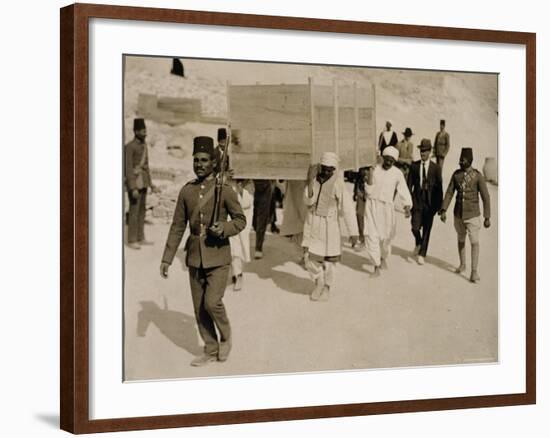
x=384, y=183
x=240, y=243
x=328, y=204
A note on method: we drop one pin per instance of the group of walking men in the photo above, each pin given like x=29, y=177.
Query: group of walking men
x=213, y=218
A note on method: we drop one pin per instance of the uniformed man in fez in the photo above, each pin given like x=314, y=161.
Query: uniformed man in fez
x=470, y=185
x=138, y=180
x=208, y=254
x=222, y=143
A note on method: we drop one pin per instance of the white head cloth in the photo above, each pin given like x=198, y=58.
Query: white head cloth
x=329, y=159
x=391, y=151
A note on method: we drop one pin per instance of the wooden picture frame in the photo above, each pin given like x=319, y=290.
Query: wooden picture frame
x=75, y=238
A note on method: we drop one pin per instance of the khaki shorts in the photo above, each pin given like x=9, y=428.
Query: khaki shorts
x=468, y=227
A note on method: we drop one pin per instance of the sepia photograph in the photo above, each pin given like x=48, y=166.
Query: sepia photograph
x=301, y=218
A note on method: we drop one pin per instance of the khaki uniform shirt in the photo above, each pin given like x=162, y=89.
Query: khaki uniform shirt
x=195, y=206
x=469, y=185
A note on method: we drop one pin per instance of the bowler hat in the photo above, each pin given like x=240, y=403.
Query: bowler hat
x=139, y=124
x=408, y=132
x=203, y=144
x=425, y=145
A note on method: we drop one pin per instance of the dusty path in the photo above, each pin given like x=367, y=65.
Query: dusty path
x=413, y=315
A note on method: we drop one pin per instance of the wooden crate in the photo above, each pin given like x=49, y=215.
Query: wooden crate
x=278, y=130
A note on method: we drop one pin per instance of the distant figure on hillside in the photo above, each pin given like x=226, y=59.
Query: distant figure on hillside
x=405, y=148
x=329, y=204
x=469, y=184
x=177, y=68
x=388, y=137
x=384, y=182
x=442, y=144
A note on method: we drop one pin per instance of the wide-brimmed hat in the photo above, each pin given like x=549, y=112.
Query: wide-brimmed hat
x=425, y=145
x=408, y=132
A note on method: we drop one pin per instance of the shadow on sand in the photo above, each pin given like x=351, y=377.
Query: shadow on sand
x=178, y=327
x=285, y=252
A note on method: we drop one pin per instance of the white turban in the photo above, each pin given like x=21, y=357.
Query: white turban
x=329, y=159
x=391, y=151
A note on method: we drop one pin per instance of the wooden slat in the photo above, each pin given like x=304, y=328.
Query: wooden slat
x=273, y=173
x=238, y=161
x=269, y=106
x=271, y=141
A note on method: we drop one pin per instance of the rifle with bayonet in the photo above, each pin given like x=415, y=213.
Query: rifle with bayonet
x=220, y=177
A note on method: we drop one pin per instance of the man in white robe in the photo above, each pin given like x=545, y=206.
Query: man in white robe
x=328, y=204
x=384, y=183
x=240, y=243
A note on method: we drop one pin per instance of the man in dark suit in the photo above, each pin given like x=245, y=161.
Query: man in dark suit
x=426, y=187
x=208, y=252
x=137, y=180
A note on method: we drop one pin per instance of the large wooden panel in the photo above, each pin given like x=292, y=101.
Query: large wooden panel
x=367, y=137
x=269, y=106
x=280, y=128
x=271, y=131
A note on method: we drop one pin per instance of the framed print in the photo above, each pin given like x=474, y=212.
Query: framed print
x=276, y=218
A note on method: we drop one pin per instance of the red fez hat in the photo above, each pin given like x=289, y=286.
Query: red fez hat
x=139, y=124
x=467, y=153
x=222, y=134
x=203, y=144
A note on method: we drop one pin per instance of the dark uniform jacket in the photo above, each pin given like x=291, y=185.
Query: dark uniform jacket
x=469, y=185
x=433, y=195
x=195, y=206
x=442, y=144
x=133, y=153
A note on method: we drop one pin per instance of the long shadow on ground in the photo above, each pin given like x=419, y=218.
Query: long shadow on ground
x=274, y=257
x=178, y=327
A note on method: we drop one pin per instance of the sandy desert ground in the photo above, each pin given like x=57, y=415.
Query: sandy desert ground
x=412, y=316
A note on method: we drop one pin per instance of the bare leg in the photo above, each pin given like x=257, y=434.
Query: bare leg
x=474, y=278
x=462, y=256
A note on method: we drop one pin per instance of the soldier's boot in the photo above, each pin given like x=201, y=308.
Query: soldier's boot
x=203, y=360
x=474, y=278
x=316, y=294
x=224, y=349
x=462, y=256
